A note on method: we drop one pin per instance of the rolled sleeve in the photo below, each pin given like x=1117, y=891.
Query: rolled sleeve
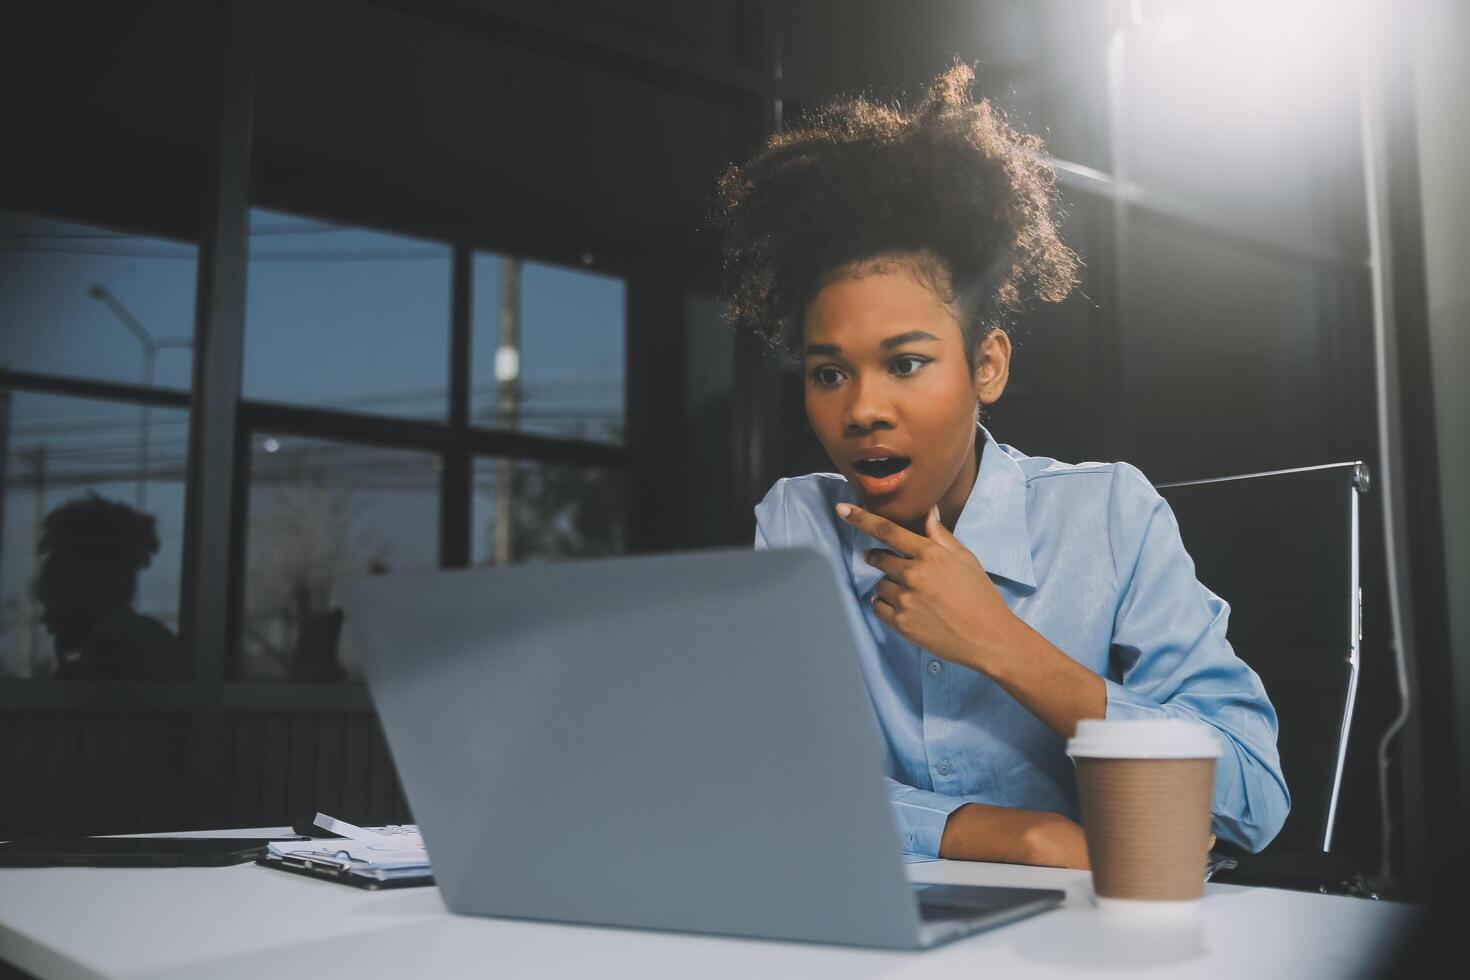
x=1171, y=659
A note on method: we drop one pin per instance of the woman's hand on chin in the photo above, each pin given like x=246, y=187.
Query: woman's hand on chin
x=934, y=592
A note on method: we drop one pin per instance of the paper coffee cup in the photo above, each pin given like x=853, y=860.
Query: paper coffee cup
x=1145, y=789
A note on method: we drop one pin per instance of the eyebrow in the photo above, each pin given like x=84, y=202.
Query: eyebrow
x=898, y=339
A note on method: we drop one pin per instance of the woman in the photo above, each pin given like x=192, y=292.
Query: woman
x=92, y=551
x=996, y=598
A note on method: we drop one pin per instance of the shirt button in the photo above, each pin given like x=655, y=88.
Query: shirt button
x=935, y=667
x=942, y=769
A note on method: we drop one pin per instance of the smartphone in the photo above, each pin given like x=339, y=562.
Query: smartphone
x=130, y=852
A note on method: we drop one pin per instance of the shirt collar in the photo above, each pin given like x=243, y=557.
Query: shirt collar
x=992, y=524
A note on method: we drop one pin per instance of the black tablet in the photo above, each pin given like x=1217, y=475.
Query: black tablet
x=130, y=852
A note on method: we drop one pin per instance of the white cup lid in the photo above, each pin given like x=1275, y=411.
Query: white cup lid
x=1166, y=738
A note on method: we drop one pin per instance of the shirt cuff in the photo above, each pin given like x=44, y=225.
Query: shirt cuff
x=1126, y=705
x=921, y=817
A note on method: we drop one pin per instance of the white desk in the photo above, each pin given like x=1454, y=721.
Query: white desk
x=247, y=921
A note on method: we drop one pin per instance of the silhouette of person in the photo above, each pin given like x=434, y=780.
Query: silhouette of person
x=92, y=551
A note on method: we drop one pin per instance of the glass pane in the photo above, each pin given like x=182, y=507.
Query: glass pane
x=549, y=359
x=320, y=511
x=346, y=318
x=94, y=303
x=525, y=510
x=92, y=542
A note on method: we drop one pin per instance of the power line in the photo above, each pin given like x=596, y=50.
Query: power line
x=256, y=255
x=175, y=252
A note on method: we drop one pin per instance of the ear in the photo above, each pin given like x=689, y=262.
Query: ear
x=992, y=367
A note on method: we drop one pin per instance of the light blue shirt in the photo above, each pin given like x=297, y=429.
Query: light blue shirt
x=1090, y=556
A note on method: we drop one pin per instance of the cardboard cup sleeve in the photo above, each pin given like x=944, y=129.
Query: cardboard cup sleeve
x=1147, y=823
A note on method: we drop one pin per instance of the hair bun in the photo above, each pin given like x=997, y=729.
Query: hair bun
x=948, y=180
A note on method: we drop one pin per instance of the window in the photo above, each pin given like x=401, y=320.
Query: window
x=548, y=351
x=93, y=303
x=90, y=558
x=343, y=323
x=526, y=511
x=346, y=318
x=320, y=511
x=92, y=509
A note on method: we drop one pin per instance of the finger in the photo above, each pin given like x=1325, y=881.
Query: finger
x=935, y=530
x=900, y=539
x=884, y=611
x=886, y=562
x=889, y=591
x=1212, y=843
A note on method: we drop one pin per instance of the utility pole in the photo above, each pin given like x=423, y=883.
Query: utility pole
x=508, y=409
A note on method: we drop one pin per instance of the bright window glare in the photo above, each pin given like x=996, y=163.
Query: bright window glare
x=1254, y=38
x=1244, y=110
x=1174, y=26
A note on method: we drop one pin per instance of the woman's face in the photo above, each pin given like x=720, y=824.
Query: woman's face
x=890, y=394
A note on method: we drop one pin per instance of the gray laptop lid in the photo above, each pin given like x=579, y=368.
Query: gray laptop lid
x=678, y=742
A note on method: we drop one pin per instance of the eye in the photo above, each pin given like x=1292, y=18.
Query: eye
x=826, y=376
x=908, y=364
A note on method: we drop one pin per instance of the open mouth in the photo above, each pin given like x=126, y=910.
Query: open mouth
x=882, y=466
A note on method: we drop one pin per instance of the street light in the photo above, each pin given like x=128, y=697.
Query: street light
x=150, y=348
x=508, y=382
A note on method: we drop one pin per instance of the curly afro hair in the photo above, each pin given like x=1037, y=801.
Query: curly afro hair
x=92, y=551
x=948, y=190
x=91, y=528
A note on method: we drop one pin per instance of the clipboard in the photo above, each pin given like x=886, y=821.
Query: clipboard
x=345, y=871
x=364, y=857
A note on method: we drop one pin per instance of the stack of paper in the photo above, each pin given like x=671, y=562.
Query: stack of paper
x=381, y=854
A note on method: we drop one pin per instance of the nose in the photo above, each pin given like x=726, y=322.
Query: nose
x=868, y=406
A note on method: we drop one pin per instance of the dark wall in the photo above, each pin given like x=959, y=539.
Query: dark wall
x=286, y=767
x=128, y=772
x=92, y=772
x=446, y=111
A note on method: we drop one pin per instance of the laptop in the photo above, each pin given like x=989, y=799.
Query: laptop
x=678, y=742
